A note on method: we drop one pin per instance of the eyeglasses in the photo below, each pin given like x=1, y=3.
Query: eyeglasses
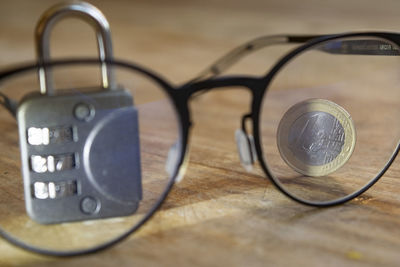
x=322, y=125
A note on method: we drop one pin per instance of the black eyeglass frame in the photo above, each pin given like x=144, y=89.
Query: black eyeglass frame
x=180, y=97
x=259, y=87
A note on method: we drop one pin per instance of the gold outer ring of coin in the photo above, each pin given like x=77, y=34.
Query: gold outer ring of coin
x=321, y=105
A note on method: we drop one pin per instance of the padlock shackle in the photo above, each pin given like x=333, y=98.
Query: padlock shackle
x=88, y=13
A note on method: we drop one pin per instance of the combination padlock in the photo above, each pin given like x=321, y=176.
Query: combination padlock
x=80, y=155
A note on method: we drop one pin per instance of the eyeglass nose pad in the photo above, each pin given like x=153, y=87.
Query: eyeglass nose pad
x=171, y=164
x=246, y=149
x=172, y=159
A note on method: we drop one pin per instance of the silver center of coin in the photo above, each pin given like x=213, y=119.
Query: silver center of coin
x=316, y=138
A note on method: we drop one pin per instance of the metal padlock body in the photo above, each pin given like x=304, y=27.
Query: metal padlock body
x=104, y=178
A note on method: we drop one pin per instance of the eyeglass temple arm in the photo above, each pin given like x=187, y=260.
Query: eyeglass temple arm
x=350, y=47
x=238, y=53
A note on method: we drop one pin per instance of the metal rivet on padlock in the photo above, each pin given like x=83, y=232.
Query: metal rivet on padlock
x=84, y=112
x=86, y=12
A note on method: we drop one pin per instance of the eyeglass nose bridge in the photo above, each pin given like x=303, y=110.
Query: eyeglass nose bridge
x=192, y=90
x=244, y=140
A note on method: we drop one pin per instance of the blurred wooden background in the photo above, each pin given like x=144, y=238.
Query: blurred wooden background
x=220, y=215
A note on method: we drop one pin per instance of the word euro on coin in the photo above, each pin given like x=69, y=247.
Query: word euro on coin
x=316, y=137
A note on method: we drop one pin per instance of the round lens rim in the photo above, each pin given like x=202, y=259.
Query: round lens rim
x=258, y=103
x=177, y=99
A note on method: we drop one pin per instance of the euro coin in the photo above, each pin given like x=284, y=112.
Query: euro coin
x=316, y=137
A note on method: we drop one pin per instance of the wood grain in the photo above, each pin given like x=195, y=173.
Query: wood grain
x=219, y=215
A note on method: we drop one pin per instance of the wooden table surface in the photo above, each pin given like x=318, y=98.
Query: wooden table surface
x=220, y=215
